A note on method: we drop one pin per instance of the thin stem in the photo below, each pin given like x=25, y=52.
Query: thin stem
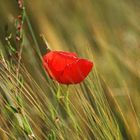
x=32, y=34
x=67, y=101
x=58, y=92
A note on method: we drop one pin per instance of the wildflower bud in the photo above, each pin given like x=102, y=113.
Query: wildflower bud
x=19, y=17
x=20, y=4
x=19, y=27
x=18, y=38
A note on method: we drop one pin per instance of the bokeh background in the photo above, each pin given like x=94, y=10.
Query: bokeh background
x=105, y=31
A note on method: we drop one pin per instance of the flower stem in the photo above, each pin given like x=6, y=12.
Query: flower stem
x=67, y=101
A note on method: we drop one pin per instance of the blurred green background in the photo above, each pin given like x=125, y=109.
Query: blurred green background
x=105, y=31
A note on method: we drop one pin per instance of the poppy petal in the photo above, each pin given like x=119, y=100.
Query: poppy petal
x=76, y=72
x=55, y=62
x=71, y=54
x=65, y=67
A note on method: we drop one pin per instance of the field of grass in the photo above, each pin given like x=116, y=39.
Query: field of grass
x=105, y=106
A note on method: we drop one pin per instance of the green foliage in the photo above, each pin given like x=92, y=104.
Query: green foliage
x=105, y=106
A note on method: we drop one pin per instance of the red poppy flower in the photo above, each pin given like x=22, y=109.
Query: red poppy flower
x=66, y=67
